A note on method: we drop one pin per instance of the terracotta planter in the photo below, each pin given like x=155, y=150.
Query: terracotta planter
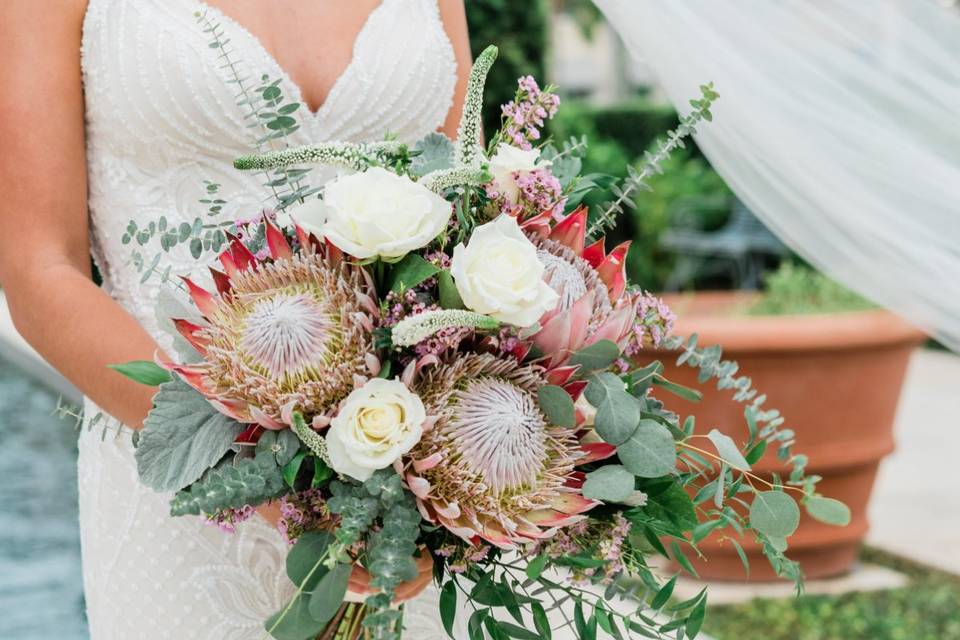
x=835, y=377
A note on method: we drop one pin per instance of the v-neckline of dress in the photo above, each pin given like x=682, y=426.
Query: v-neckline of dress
x=284, y=74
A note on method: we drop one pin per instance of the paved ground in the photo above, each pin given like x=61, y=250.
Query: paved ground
x=915, y=510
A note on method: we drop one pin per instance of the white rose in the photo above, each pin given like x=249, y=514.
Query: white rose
x=377, y=423
x=498, y=273
x=507, y=161
x=376, y=213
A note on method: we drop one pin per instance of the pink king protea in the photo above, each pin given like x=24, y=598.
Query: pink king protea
x=292, y=333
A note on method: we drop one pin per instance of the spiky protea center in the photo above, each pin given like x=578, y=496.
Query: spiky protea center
x=499, y=456
x=572, y=277
x=290, y=332
x=287, y=334
x=498, y=429
x=563, y=277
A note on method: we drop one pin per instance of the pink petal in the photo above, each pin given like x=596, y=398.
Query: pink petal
x=596, y=451
x=595, y=253
x=427, y=463
x=572, y=230
x=613, y=270
x=201, y=297
x=279, y=247
x=264, y=420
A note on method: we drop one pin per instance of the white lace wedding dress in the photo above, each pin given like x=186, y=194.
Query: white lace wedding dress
x=161, y=118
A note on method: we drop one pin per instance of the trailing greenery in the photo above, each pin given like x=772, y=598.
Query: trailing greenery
x=924, y=609
x=688, y=193
x=797, y=289
x=390, y=548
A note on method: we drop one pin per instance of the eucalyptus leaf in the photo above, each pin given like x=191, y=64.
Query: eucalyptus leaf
x=774, y=514
x=304, y=562
x=728, y=450
x=182, y=437
x=326, y=599
x=828, y=511
x=232, y=484
x=650, y=452
x=600, y=385
x=557, y=405
x=294, y=623
x=612, y=483
x=617, y=417
x=599, y=355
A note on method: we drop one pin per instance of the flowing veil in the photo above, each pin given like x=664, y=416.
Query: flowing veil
x=838, y=125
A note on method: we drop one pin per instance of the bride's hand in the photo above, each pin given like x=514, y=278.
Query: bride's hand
x=359, y=583
x=270, y=511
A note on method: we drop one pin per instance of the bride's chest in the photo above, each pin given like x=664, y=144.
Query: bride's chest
x=168, y=79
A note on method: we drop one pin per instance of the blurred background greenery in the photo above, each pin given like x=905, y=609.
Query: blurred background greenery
x=622, y=118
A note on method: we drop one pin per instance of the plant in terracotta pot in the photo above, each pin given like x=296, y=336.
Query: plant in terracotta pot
x=833, y=364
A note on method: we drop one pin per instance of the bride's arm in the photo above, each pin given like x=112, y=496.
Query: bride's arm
x=44, y=253
x=454, y=18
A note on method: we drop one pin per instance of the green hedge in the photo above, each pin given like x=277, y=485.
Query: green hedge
x=633, y=125
x=519, y=29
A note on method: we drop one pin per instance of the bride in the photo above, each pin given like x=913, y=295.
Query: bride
x=117, y=110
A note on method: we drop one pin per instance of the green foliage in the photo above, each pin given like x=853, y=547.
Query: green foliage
x=612, y=483
x=409, y=272
x=598, y=355
x=632, y=127
x=618, y=412
x=924, y=609
x=182, y=437
x=796, y=289
x=434, y=152
x=144, y=372
x=283, y=445
x=232, y=484
x=687, y=193
x=557, y=405
x=520, y=31
x=828, y=510
x=390, y=550
x=650, y=452
x=774, y=514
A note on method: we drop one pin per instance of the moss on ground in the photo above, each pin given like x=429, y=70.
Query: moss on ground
x=928, y=608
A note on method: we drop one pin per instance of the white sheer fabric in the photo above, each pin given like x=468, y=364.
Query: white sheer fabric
x=160, y=120
x=838, y=125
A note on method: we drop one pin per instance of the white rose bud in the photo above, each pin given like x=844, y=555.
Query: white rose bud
x=377, y=423
x=508, y=161
x=498, y=273
x=376, y=213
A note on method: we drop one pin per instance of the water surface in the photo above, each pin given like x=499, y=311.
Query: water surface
x=41, y=590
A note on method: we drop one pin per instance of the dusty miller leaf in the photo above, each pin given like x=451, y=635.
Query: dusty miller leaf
x=182, y=437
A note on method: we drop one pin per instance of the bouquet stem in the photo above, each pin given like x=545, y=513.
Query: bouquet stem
x=347, y=624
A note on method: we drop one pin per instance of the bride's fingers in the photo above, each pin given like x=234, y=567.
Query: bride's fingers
x=359, y=581
x=270, y=512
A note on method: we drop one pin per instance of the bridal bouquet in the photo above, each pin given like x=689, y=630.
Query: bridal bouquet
x=435, y=367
